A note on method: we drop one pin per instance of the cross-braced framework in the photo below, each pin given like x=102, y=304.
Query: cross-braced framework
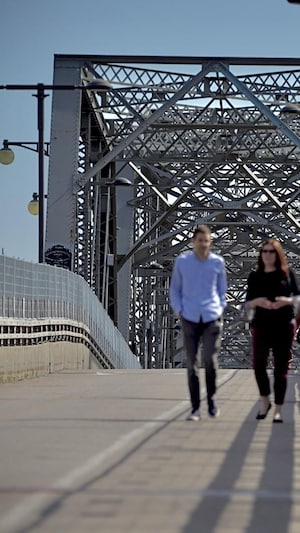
x=202, y=140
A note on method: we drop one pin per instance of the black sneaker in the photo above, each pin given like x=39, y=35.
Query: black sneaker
x=194, y=415
x=213, y=410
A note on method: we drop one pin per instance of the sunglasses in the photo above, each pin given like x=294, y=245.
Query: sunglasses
x=267, y=251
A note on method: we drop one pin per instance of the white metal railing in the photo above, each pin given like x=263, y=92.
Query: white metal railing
x=47, y=298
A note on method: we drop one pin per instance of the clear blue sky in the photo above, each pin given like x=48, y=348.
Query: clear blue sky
x=32, y=31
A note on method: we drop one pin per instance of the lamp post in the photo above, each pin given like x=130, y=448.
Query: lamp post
x=35, y=206
x=6, y=155
x=40, y=124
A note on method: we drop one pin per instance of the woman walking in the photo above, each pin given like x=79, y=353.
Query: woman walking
x=270, y=296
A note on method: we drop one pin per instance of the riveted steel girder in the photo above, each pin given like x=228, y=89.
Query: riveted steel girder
x=211, y=140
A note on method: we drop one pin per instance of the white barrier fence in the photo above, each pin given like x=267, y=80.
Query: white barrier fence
x=41, y=304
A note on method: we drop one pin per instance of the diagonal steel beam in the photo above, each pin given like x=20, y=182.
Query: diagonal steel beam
x=148, y=182
x=163, y=217
x=262, y=107
x=270, y=195
x=81, y=179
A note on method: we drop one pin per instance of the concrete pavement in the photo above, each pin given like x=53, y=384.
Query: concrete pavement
x=111, y=451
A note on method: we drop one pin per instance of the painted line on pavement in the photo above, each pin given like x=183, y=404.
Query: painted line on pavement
x=27, y=510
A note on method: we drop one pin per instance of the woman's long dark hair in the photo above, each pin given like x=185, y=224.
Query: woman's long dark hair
x=281, y=263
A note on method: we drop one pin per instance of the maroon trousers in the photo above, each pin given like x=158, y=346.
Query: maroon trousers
x=279, y=341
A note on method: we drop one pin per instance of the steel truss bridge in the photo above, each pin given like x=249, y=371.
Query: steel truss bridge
x=201, y=140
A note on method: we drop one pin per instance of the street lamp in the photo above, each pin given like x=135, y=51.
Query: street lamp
x=33, y=206
x=7, y=156
x=109, y=258
x=291, y=108
x=40, y=95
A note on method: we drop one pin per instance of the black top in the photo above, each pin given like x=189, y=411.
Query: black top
x=270, y=285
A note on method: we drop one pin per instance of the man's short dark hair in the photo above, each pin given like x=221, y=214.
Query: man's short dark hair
x=201, y=229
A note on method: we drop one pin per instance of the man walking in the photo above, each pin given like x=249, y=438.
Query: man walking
x=197, y=295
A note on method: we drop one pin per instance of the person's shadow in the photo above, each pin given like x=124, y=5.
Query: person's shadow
x=267, y=497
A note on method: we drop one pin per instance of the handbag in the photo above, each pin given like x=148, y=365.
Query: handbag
x=297, y=316
x=296, y=305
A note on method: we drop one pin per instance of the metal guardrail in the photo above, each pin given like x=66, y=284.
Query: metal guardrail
x=41, y=303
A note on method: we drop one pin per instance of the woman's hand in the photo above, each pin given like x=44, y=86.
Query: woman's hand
x=282, y=301
x=262, y=301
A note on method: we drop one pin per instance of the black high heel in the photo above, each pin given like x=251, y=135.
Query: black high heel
x=260, y=416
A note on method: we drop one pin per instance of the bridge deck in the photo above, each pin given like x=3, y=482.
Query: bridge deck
x=111, y=451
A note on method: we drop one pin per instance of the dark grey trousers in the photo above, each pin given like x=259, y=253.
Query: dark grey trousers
x=208, y=335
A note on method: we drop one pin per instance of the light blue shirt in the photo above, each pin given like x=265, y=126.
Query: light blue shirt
x=198, y=287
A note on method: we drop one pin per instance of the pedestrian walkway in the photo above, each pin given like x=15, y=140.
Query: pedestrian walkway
x=111, y=451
